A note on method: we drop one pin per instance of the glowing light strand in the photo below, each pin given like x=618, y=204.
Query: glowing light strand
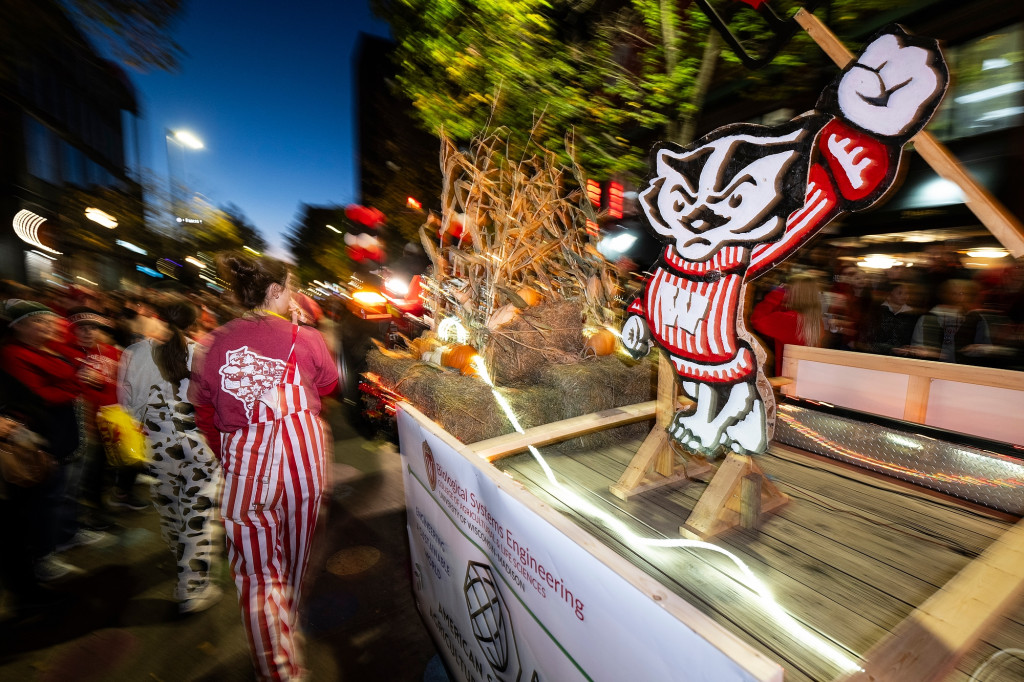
x=26, y=225
x=832, y=652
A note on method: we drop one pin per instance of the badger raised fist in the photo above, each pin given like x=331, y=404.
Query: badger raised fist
x=894, y=85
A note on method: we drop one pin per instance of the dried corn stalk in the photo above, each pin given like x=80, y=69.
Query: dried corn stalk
x=520, y=226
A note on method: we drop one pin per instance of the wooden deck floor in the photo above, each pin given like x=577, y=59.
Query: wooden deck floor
x=849, y=557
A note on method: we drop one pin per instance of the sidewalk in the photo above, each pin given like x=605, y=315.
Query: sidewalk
x=118, y=621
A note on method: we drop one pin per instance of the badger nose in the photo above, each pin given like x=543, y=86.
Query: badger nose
x=705, y=219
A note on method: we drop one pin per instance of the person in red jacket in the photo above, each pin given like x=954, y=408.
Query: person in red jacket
x=52, y=376
x=263, y=376
x=792, y=315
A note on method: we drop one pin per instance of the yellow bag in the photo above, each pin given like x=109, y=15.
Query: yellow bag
x=122, y=436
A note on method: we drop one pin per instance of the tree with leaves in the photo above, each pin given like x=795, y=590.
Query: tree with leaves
x=247, y=232
x=618, y=80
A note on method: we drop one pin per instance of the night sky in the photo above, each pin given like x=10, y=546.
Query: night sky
x=266, y=85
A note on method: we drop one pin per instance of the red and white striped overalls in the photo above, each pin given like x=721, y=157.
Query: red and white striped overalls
x=273, y=478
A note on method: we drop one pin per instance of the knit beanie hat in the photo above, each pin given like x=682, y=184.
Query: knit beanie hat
x=84, y=315
x=17, y=310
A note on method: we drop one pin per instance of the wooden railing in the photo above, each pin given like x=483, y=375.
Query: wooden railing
x=978, y=400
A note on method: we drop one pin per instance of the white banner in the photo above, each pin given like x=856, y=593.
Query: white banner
x=509, y=596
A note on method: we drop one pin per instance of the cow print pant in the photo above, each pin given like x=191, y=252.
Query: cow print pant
x=186, y=495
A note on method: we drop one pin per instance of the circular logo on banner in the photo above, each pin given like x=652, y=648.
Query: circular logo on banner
x=428, y=464
x=491, y=624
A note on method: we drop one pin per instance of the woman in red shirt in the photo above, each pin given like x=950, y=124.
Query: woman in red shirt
x=793, y=314
x=263, y=376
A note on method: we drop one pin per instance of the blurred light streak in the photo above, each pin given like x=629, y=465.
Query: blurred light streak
x=101, y=217
x=830, y=651
x=187, y=138
x=991, y=93
x=26, y=226
x=131, y=247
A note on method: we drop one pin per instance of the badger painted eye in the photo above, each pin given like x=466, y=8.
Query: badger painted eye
x=735, y=200
x=679, y=202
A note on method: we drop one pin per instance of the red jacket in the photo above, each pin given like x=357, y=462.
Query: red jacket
x=54, y=378
x=771, y=318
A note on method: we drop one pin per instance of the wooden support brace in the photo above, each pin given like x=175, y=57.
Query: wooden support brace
x=656, y=452
x=1003, y=225
x=915, y=408
x=509, y=444
x=721, y=507
x=638, y=476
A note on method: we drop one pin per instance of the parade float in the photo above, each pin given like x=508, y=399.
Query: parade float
x=849, y=530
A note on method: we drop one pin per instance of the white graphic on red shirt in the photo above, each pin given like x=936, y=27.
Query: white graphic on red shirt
x=247, y=375
x=106, y=367
x=682, y=308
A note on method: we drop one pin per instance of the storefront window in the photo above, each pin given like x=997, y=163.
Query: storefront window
x=987, y=92
x=73, y=165
x=41, y=151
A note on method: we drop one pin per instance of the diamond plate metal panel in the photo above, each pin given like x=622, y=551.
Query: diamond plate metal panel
x=987, y=478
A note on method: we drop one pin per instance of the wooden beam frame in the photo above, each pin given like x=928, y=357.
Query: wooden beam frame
x=1003, y=225
x=509, y=444
x=929, y=369
x=920, y=374
x=929, y=642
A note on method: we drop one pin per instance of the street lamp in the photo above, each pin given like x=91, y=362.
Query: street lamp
x=183, y=139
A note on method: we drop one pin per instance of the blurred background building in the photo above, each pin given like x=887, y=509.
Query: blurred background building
x=399, y=170
x=68, y=162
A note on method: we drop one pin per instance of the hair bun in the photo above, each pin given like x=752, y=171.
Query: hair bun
x=251, y=276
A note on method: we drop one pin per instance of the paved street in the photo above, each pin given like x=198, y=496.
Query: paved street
x=118, y=621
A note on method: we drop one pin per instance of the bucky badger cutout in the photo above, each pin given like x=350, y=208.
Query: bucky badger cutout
x=737, y=202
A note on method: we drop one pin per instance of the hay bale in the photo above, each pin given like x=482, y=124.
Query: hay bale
x=601, y=383
x=466, y=408
x=518, y=351
x=463, y=405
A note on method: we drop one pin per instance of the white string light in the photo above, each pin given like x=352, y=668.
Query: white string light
x=831, y=652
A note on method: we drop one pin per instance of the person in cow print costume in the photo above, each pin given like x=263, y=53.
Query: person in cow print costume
x=737, y=202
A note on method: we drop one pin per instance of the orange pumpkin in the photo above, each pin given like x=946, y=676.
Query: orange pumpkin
x=470, y=369
x=529, y=295
x=458, y=357
x=423, y=344
x=602, y=342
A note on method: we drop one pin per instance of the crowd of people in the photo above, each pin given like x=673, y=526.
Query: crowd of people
x=228, y=392
x=942, y=312
x=228, y=395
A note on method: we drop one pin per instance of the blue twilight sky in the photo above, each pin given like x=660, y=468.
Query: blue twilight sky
x=267, y=86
